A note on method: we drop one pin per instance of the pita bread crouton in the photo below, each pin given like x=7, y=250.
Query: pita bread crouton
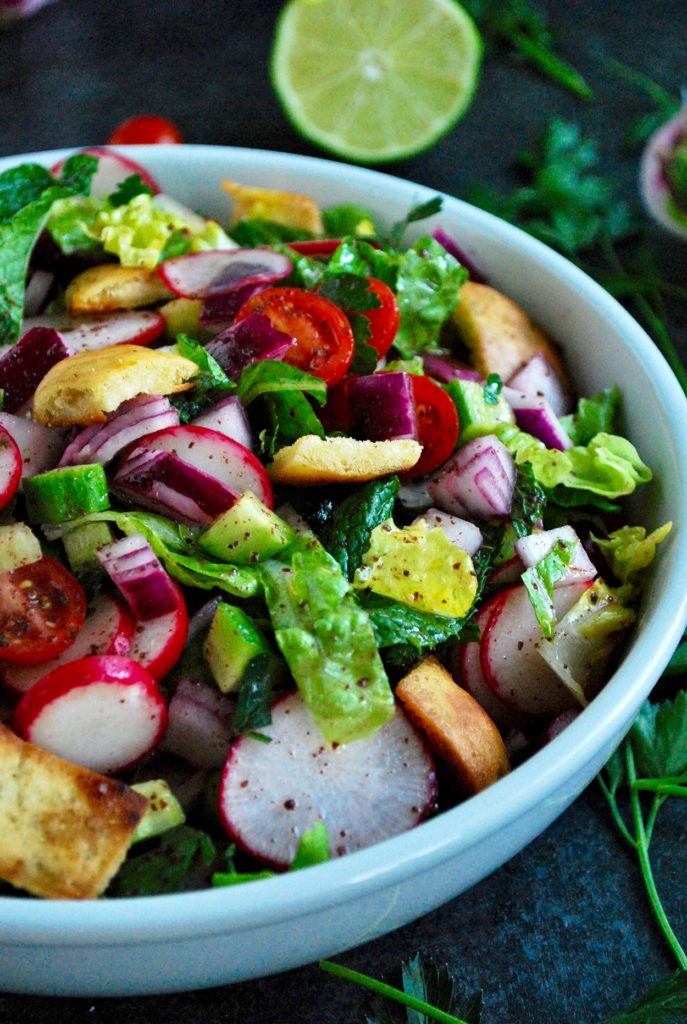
x=83, y=388
x=499, y=334
x=64, y=830
x=290, y=209
x=109, y=286
x=457, y=728
x=341, y=460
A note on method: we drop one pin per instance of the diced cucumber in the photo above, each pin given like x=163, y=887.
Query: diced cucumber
x=162, y=813
x=246, y=533
x=232, y=642
x=477, y=416
x=68, y=493
x=182, y=316
x=81, y=544
x=18, y=546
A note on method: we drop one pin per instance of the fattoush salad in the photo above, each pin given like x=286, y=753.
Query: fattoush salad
x=305, y=536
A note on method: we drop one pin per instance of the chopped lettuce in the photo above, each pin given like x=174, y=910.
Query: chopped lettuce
x=313, y=848
x=420, y=568
x=327, y=642
x=427, y=287
x=630, y=550
x=72, y=224
x=412, y=365
x=539, y=581
x=268, y=376
x=594, y=415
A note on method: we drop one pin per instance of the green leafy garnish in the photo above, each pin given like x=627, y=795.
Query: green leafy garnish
x=313, y=848
x=269, y=376
x=210, y=381
x=256, y=694
x=21, y=186
x=347, y=534
x=348, y=219
x=629, y=550
x=419, y=212
x=254, y=232
x=665, y=104
x=77, y=173
x=528, y=502
x=395, y=623
x=132, y=186
x=289, y=416
x=427, y=287
x=166, y=867
x=539, y=580
x=492, y=389
x=594, y=415
x=664, y=1003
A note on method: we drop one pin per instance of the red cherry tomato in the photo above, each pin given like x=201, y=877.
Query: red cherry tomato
x=437, y=426
x=316, y=246
x=147, y=129
x=42, y=610
x=384, y=318
x=324, y=339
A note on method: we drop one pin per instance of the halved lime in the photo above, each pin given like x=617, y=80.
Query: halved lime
x=375, y=80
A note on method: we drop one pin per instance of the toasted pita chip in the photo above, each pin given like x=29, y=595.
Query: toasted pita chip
x=499, y=334
x=456, y=726
x=341, y=460
x=64, y=830
x=83, y=388
x=107, y=287
x=291, y=209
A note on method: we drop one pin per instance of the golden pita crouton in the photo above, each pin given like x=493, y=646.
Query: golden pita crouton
x=499, y=334
x=290, y=209
x=457, y=728
x=341, y=460
x=64, y=830
x=83, y=388
x=110, y=286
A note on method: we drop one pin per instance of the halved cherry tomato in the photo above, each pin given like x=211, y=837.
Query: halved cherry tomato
x=437, y=426
x=324, y=339
x=42, y=610
x=146, y=129
x=316, y=246
x=384, y=318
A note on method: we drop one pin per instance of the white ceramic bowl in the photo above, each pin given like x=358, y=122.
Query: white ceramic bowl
x=194, y=940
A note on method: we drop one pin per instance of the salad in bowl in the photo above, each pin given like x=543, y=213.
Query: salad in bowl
x=310, y=533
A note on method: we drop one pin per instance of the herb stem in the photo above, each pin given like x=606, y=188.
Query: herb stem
x=656, y=806
x=660, y=786
x=551, y=65
x=645, y=863
x=390, y=992
x=615, y=811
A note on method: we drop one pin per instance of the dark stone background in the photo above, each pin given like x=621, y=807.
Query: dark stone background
x=562, y=933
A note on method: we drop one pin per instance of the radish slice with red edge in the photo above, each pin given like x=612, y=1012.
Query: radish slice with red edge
x=365, y=792
x=103, y=713
x=211, y=452
x=536, y=546
x=24, y=364
x=37, y=290
x=653, y=181
x=113, y=169
x=205, y=275
x=135, y=570
x=158, y=643
x=108, y=629
x=123, y=327
x=199, y=724
x=40, y=446
x=509, y=653
x=10, y=467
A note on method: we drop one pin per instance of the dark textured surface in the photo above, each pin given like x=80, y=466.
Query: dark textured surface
x=561, y=933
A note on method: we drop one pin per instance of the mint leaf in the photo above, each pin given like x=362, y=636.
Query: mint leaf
x=427, y=287
x=20, y=186
x=539, y=581
x=529, y=501
x=347, y=534
x=419, y=212
x=492, y=389
x=269, y=376
x=290, y=416
x=126, y=190
x=659, y=738
x=398, y=624
x=77, y=173
x=664, y=1003
x=256, y=694
x=166, y=868
x=210, y=380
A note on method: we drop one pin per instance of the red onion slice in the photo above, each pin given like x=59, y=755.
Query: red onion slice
x=538, y=379
x=249, y=341
x=23, y=366
x=135, y=570
x=40, y=446
x=535, y=416
x=383, y=407
x=133, y=419
x=204, y=275
x=477, y=481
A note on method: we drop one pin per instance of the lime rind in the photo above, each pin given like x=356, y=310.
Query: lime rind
x=419, y=92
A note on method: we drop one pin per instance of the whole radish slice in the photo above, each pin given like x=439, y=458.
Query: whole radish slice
x=103, y=713
x=199, y=726
x=206, y=275
x=211, y=452
x=123, y=327
x=464, y=664
x=113, y=168
x=40, y=446
x=108, y=630
x=366, y=791
x=509, y=654
x=10, y=467
x=228, y=417
x=158, y=643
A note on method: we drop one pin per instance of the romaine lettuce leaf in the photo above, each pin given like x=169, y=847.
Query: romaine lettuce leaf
x=418, y=567
x=539, y=581
x=630, y=549
x=596, y=414
x=72, y=224
x=427, y=288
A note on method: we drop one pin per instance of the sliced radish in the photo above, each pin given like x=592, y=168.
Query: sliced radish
x=103, y=713
x=211, y=452
x=229, y=418
x=509, y=653
x=464, y=664
x=10, y=467
x=113, y=168
x=40, y=447
x=536, y=546
x=204, y=275
x=366, y=791
x=108, y=630
x=654, y=184
x=158, y=643
x=37, y=290
x=464, y=534
x=199, y=725
x=122, y=327
x=506, y=574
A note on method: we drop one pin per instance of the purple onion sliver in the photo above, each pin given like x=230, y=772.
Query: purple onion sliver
x=249, y=341
x=383, y=407
x=445, y=368
x=24, y=365
x=223, y=308
x=458, y=253
x=135, y=570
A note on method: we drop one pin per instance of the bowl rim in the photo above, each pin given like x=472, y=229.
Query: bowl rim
x=27, y=921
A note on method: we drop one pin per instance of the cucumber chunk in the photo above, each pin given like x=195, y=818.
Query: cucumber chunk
x=68, y=493
x=232, y=642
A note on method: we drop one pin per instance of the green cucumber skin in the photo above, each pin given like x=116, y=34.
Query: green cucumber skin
x=246, y=533
x=232, y=642
x=60, y=495
x=477, y=418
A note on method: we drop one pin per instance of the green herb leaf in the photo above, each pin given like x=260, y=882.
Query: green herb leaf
x=355, y=256
x=178, y=244
x=77, y=173
x=664, y=1003
x=348, y=291
x=256, y=694
x=348, y=219
x=290, y=416
x=419, y=212
x=132, y=186
x=20, y=186
x=492, y=389
x=659, y=738
x=398, y=624
x=427, y=287
x=269, y=376
x=210, y=380
x=539, y=581
x=594, y=415
x=347, y=535
x=313, y=847
x=254, y=232
x=164, y=869
x=529, y=501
